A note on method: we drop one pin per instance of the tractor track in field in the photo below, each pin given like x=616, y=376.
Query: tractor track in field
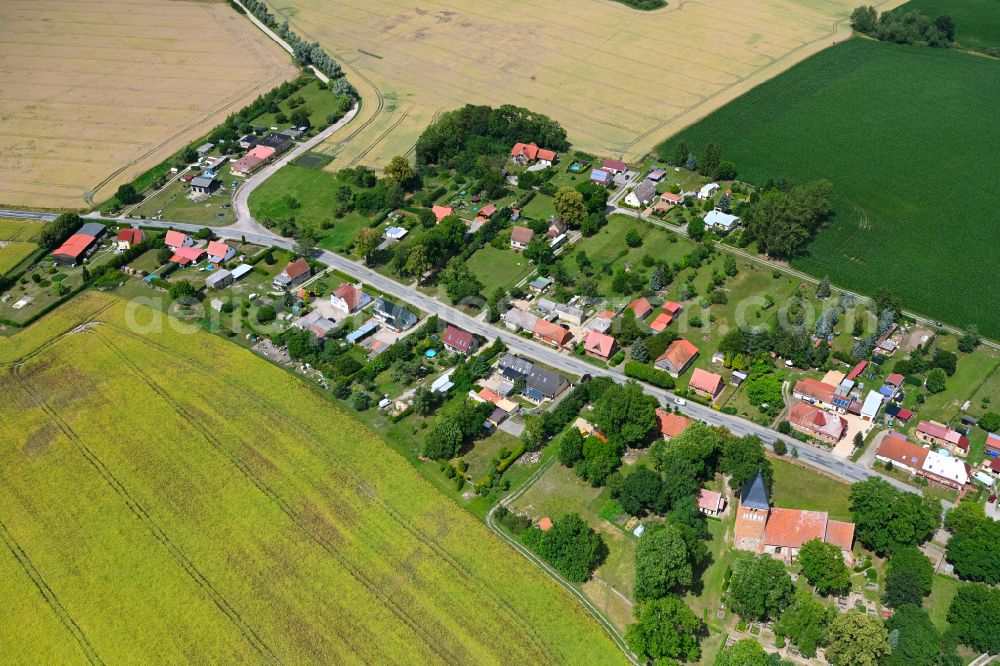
x=297, y=518
x=460, y=569
x=48, y=594
x=144, y=517
x=56, y=338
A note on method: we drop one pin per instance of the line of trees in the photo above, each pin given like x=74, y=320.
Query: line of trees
x=903, y=27
x=305, y=53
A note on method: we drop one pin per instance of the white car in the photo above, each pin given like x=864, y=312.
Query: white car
x=680, y=401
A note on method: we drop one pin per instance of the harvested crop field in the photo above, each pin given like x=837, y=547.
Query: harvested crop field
x=906, y=136
x=620, y=80
x=168, y=497
x=95, y=93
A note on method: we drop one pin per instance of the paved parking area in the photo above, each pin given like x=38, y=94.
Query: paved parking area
x=855, y=424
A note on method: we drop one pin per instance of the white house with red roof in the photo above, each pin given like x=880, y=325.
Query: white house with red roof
x=614, y=166
x=458, y=341
x=817, y=422
x=128, y=237
x=176, y=239
x=349, y=297
x=711, y=503
x=219, y=252
x=526, y=153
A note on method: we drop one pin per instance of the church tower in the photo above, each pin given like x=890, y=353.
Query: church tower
x=752, y=514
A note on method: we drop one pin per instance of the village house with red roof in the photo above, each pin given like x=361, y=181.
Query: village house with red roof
x=671, y=425
x=599, y=345
x=458, y=341
x=349, y=297
x=527, y=153
x=817, y=423
x=128, y=237
x=940, y=435
x=520, y=237
x=676, y=359
x=706, y=384
x=219, y=252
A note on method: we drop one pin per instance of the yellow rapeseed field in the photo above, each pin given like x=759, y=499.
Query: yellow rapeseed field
x=166, y=496
x=620, y=80
x=96, y=92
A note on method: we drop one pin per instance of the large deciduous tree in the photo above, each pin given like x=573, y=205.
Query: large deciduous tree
x=973, y=617
x=759, y=589
x=886, y=519
x=568, y=204
x=857, y=639
x=662, y=563
x=806, y=623
x=823, y=566
x=665, y=630
x=626, y=413
x=908, y=577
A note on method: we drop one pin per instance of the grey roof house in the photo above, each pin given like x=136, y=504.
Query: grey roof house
x=394, y=316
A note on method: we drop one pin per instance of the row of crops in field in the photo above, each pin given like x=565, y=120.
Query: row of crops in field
x=906, y=136
x=178, y=498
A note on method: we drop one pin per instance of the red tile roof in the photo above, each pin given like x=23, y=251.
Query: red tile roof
x=709, y=500
x=133, y=236
x=526, y=150
x=296, y=269
x=670, y=197
x=904, y=415
x=441, y=212
x=175, y=238
x=547, y=155
x=790, y=528
x=350, y=294
x=599, y=343
x=939, y=431
x=261, y=152
x=218, y=249
x=840, y=534
x=858, y=369
x=487, y=210
x=75, y=245
x=545, y=524
x=187, y=255
x=551, y=333
x=709, y=382
x=640, y=307
x=522, y=235
x=673, y=307
x=606, y=314
x=895, y=379
x=617, y=165
x=671, y=425
x=490, y=396
x=661, y=322
x=897, y=449
x=815, y=389
x=679, y=353
x=458, y=339
x=813, y=418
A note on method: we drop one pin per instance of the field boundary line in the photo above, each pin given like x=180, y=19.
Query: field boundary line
x=144, y=517
x=48, y=594
x=430, y=543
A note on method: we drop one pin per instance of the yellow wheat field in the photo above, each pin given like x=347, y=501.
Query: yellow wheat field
x=168, y=497
x=619, y=80
x=95, y=92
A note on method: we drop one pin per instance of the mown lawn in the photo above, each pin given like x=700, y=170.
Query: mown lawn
x=238, y=512
x=796, y=487
x=540, y=207
x=498, y=268
x=886, y=124
x=943, y=590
